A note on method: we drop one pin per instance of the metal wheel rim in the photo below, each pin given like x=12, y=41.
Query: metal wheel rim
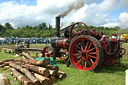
x=77, y=62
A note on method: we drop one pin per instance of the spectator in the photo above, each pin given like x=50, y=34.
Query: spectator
x=104, y=38
x=28, y=44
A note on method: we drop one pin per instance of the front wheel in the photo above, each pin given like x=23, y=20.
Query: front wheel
x=48, y=51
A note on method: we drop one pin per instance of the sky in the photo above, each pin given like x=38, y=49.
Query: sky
x=108, y=13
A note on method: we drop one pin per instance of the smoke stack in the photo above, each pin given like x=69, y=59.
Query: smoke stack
x=57, y=26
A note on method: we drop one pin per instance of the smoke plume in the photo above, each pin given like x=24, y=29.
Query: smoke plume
x=75, y=5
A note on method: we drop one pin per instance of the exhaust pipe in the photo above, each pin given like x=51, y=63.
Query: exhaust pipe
x=57, y=26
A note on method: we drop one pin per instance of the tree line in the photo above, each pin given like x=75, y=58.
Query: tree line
x=42, y=30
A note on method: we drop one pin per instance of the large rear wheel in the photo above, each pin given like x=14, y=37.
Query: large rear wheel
x=85, y=53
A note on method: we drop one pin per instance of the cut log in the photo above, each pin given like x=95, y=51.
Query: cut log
x=5, y=68
x=40, y=70
x=43, y=63
x=61, y=75
x=31, y=77
x=7, y=60
x=3, y=79
x=53, y=72
x=4, y=64
x=13, y=75
x=43, y=80
x=26, y=72
x=19, y=62
x=52, y=78
x=27, y=56
x=23, y=80
x=52, y=67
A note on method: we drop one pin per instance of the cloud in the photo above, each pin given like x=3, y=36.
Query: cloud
x=123, y=19
x=96, y=14
x=123, y=3
x=111, y=24
x=20, y=15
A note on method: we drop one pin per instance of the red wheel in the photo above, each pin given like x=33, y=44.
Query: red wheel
x=63, y=55
x=48, y=51
x=78, y=29
x=85, y=53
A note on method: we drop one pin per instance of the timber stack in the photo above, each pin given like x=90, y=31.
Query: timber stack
x=36, y=72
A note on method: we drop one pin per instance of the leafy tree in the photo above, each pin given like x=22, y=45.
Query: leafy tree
x=8, y=26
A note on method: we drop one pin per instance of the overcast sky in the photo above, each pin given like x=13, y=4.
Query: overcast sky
x=107, y=13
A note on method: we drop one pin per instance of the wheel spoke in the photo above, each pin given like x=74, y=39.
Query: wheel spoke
x=76, y=54
x=89, y=45
x=91, y=61
x=81, y=47
x=78, y=47
x=82, y=62
x=83, y=29
x=85, y=64
x=91, y=56
x=78, y=27
x=78, y=57
x=74, y=32
x=91, y=49
x=79, y=61
x=86, y=45
x=83, y=43
x=92, y=52
x=78, y=50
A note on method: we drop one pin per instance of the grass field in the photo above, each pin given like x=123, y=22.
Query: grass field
x=105, y=75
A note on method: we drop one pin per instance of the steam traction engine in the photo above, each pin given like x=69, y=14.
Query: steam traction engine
x=86, y=49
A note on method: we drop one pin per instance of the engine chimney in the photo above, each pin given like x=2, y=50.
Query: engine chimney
x=57, y=26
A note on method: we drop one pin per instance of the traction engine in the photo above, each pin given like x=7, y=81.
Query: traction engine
x=85, y=49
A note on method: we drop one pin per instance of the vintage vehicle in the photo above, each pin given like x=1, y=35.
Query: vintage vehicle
x=85, y=49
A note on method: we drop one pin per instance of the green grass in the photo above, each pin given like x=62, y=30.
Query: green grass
x=38, y=45
x=4, y=56
x=31, y=45
x=105, y=75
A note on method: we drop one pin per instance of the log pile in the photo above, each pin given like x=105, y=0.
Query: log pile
x=29, y=71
